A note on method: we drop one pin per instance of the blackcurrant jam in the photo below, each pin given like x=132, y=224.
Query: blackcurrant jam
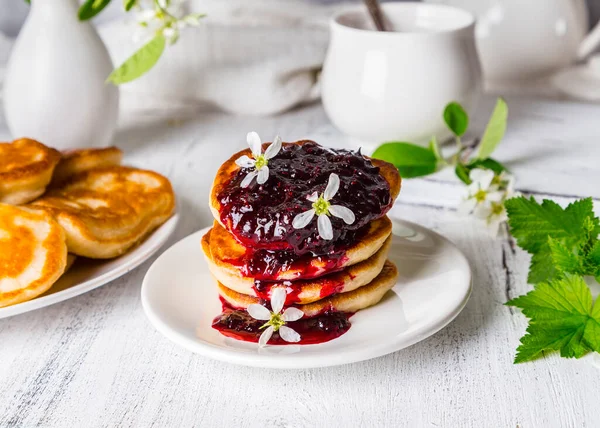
x=238, y=324
x=329, y=286
x=267, y=265
x=260, y=216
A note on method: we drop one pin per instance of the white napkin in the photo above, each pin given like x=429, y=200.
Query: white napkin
x=254, y=57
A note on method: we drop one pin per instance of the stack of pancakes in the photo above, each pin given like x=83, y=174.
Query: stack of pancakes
x=56, y=206
x=356, y=281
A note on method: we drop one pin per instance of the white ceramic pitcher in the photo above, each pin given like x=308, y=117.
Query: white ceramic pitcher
x=55, y=89
x=523, y=39
x=393, y=86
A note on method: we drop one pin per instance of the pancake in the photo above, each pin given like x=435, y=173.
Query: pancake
x=33, y=254
x=71, y=259
x=303, y=291
x=106, y=211
x=352, y=301
x=388, y=171
x=26, y=168
x=227, y=256
x=74, y=162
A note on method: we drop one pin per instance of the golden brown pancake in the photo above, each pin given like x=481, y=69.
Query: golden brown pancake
x=352, y=301
x=26, y=167
x=106, y=211
x=33, y=253
x=75, y=162
x=388, y=171
x=71, y=259
x=307, y=290
x=225, y=253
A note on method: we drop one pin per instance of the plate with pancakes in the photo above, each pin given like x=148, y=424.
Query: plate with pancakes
x=73, y=221
x=302, y=266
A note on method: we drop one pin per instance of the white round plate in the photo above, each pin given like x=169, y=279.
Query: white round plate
x=180, y=299
x=86, y=274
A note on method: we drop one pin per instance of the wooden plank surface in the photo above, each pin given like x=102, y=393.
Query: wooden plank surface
x=95, y=360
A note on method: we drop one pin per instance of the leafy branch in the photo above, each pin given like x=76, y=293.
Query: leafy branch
x=164, y=27
x=565, y=248
x=416, y=161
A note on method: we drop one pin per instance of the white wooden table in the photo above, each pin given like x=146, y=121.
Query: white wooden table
x=95, y=360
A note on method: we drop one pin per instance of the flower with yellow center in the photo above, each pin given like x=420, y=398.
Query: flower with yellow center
x=324, y=209
x=276, y=320
x=258, y=165
x=481, y=192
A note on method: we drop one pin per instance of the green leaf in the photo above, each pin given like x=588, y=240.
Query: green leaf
x=548, y=233
x=593, y=256
x=462, y=172
x=456, y=118
x=193, y=19
x=565, y=260
x=531, y=223
x=128, y=4
x=410, y=159
x=140, y=62
x=488, y=163
x=591, y=263
x=494, y=131
x=91, y=8
x=434, y=147
x=561, y=319
x=541, y=268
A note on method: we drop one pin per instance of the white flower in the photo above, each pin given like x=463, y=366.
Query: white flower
x=275, y=320
x=260, y=161
x=486, y=196
x=163, y=16
x=323, y=208
x=480, y=193
x=506, y=182
x=493, y=215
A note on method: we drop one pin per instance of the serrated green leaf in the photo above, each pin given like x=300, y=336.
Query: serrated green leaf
x=561, y=319
x=564, y=259
x=128, y=4
x=591, y=263
x=584, y=209
x=591, y=334
x=594, y=254
x=456, y=118
x=410, y=159
x=91, y=8
x=535, y=226
x=541, y=267
x=462, y=172
x=494, y=131
x=531, y=223
x=140, y=62
x=488, y=163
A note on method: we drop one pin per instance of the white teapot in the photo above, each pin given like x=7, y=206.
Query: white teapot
x=519, y=40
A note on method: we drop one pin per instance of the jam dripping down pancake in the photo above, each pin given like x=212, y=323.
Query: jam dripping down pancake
x=231, y=260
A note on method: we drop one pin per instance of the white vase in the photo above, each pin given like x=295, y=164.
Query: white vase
x=55, y=89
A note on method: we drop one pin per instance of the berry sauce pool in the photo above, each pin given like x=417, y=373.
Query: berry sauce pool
x=238, y=324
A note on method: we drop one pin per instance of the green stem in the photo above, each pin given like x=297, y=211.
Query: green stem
x=459, y=143
x=164, y=10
